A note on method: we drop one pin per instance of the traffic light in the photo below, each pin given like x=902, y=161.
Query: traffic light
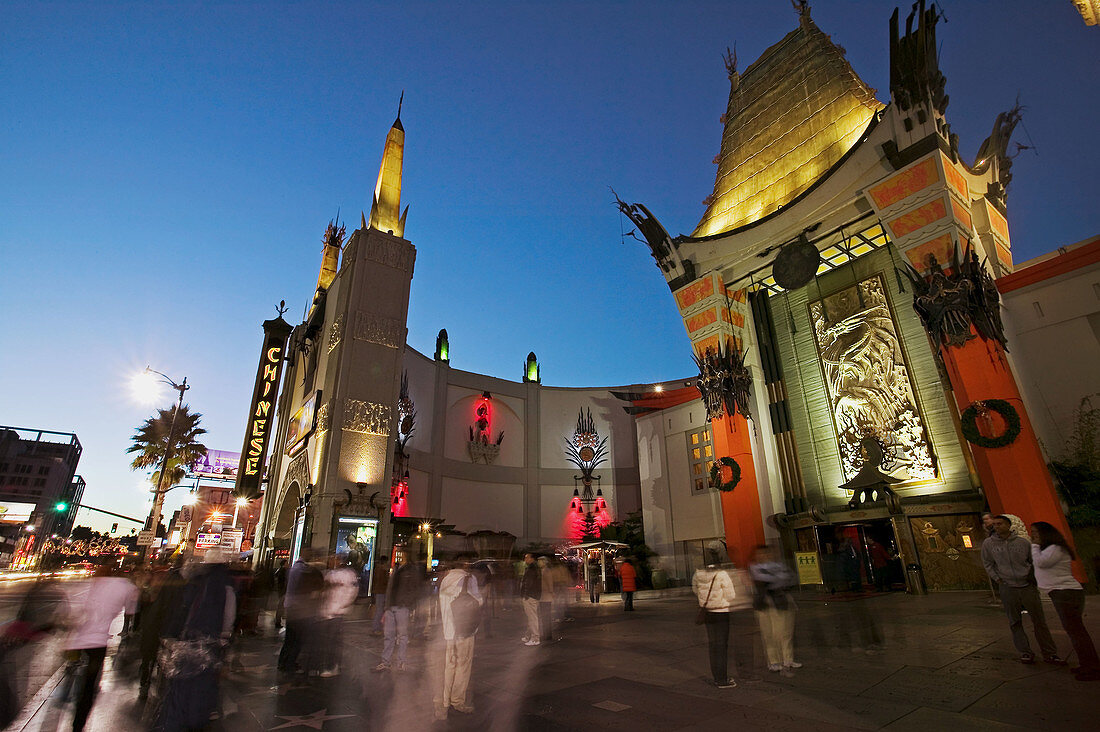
x=114, y=528
x=61, y=506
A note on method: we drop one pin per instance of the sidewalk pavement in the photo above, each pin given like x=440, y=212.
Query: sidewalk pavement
x=946, y=661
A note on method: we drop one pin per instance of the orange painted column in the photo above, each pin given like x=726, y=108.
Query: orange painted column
x=1015, y=478
x=741, y=517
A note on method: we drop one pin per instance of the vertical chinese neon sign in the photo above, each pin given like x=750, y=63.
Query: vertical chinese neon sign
x=262, y=409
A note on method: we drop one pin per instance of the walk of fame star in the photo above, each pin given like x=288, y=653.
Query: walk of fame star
x=313, y=721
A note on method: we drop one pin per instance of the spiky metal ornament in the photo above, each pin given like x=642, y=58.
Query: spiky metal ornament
x=406, y=416
x=587, y=450
x=334, y=237
x=724, y=381
x=406, y=425
x=948, y=304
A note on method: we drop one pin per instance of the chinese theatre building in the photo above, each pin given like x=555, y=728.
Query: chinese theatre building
x=331, y=462
x=839, y=295
x=374, y=441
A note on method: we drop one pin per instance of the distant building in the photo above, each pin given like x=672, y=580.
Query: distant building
x=1052, y=304
x=39, y=488
x=211, y=507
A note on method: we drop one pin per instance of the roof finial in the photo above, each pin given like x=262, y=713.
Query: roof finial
x=731, y=60
x=802, y=7
x=400, y=101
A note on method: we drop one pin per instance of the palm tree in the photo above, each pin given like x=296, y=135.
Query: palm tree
x=151, y=439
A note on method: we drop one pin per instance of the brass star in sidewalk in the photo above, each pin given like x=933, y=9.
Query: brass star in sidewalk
x=313, y=721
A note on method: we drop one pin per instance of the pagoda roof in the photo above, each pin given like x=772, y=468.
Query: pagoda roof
x=792, y=115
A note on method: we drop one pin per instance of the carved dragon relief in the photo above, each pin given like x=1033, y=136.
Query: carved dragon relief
x=678, y=270
x=993, y=155
x=867, y=382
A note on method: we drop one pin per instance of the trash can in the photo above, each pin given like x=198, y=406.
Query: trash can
x=915, y=579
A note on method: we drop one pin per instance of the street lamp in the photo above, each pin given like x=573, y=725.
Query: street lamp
x=237, y=507
x=158, y=494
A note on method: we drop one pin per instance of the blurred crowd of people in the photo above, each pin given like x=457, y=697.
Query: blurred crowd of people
x=179, y=622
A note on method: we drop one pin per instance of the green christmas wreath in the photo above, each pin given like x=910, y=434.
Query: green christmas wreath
x=716, y=474
x=969, y=419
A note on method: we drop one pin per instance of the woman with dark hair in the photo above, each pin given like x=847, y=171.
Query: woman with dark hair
x=1051, y=555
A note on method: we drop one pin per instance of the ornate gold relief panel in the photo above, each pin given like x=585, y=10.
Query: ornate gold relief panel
x=867, y=380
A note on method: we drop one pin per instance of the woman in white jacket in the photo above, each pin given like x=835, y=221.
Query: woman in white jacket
x=716, y=588
x=1051, y=557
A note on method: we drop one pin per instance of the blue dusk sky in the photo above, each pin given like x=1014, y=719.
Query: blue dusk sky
x=168, y=170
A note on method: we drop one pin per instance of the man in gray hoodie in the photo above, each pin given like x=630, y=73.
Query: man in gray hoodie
x=1007, y=560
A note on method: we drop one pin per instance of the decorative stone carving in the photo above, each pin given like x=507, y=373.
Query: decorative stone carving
x=377, y=329
x=483, y=452
x=366, y=417
x=298, y=472
x=724, y=381
x=322, y=417
x=390, y=253
x=336, y=332
x=665, y=250
x=915, y=76
x=867, y=381
x=481, y=446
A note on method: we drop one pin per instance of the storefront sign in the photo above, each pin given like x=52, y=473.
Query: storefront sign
x=809, y=571
x=261, y=414
x=302, y=425
x=231, y=539
x=205, y=541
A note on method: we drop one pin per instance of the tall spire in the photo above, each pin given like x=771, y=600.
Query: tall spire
x=385, y=210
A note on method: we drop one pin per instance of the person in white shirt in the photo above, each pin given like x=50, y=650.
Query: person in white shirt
x=341, y=591
x=107, y=596
x=1051, y=555
x=459, y=653
x=715, y=586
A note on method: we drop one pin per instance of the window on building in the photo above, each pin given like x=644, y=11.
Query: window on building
x=44, y=470
x=39, y=481
x=700, y=458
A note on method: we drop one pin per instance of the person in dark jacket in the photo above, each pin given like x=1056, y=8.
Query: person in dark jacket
x=530, y=592
x=402, y=596
x=304, y=586
x=197, y=632
x=166, y=590
x=279, y=577
x=774, y=607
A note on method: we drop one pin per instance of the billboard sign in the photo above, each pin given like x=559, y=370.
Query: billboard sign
x=217, y=463
x=16, y=513
x=302, y=425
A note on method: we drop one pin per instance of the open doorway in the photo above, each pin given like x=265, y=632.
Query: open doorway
x=858, y=557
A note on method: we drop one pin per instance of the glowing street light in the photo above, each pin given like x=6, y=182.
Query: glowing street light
x=237, y=507
x=158, y=495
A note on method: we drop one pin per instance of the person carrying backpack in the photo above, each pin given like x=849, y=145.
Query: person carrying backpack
x=459, y=608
